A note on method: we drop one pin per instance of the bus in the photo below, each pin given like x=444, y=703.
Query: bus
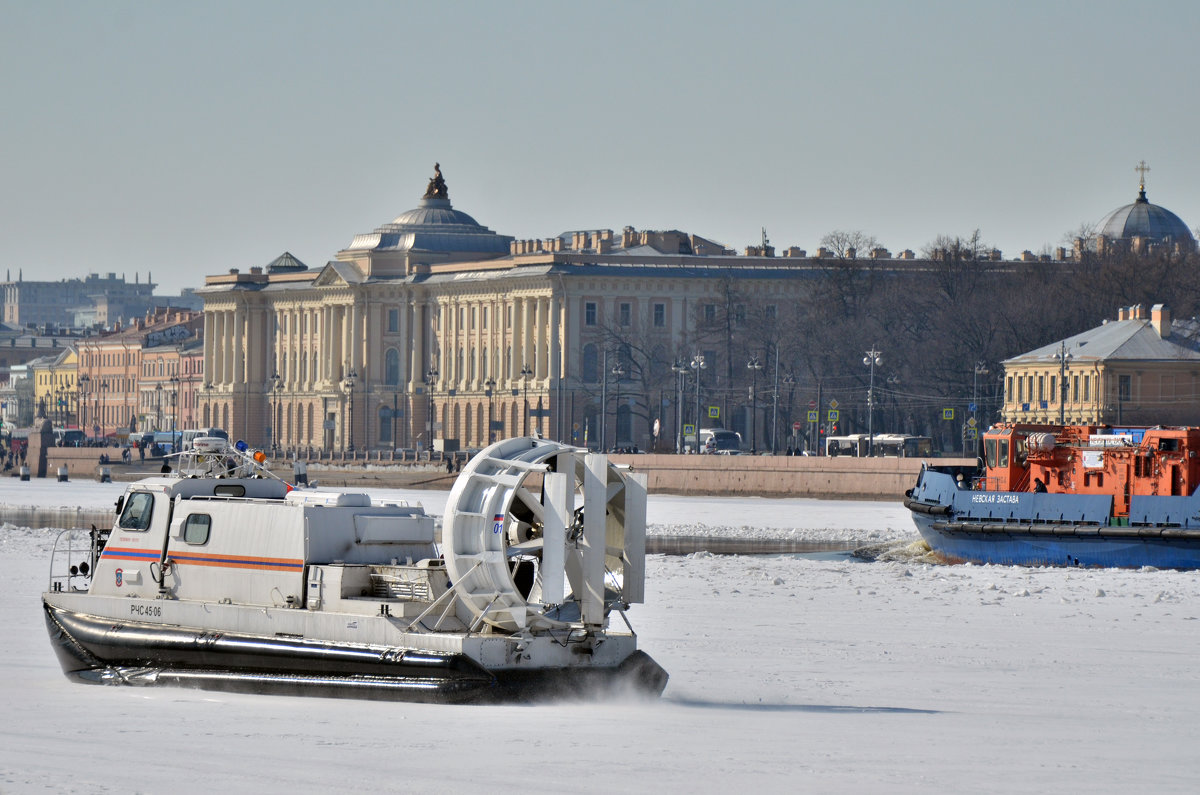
x=720, y=441
x=898, y=445
x=192, y=433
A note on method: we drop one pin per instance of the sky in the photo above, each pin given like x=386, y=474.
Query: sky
x=185, y=139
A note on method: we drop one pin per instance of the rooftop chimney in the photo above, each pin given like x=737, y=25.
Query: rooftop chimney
x=1160, y=319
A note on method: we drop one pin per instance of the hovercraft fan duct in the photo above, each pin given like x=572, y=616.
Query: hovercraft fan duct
x=539, y=535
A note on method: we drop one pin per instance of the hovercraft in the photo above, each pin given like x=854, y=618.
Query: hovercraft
x=220, y=575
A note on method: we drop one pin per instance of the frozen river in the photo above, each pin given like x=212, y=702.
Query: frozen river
x=787, y=674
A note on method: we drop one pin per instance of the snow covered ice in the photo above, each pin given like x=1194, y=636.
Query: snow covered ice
x=787, y=674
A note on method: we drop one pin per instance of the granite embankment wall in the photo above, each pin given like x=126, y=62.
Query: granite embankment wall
x=781, y=476
x=839, y=477
x=746, y=476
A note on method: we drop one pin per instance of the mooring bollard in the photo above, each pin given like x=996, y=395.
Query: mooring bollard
x=62, y=474
x=24, y=472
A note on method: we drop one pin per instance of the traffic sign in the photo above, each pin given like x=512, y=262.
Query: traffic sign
x=833, y=415
x=714, y=412
x=688, y=430
x=833, y=404
x=947, y=414
x=812, y=404
x=796, y=424
x=812, y=416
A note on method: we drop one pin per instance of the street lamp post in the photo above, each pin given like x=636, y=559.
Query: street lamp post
x=101, y=399
x=698, y=364
x=980, y=369
x=526, y=372
x=276, y=389
x=872, y=359
x=81, y=384
x=775, y=405
x=893, y=381
x=754, y=365
x=618, y=373
x=789, y=381
x=348, y=385
x=680, y=370
x=158, y=406
x=1063, y=357
x=488, y=387
x=175, y=413
x=431, y=377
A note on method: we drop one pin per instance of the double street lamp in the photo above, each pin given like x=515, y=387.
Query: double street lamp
x=348, y=385
x=698, y=364
x=680, y=369
x=158, y=406
x=81, y=386
x=430, y=379
x=618, y=373
x=872, y=360
x=754, y=365
x=526, y=372
x=174, y=381
x=276, y=391
x=488, y=389
x=980, y=369
x=1063, y=358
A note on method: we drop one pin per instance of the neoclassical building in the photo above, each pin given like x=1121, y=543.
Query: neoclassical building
x=433, y=328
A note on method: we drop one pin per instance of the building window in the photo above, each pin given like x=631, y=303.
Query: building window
x=1124, y=387
x=1041, y=392
x=589, y=313
x=385, y=425
x=391, y=370
x=1053, y=391
x=1008, y=391
x=393, y=321
x=1086, y=388
x=710, y=313
x=739, y=314
x=660, y=315
x=1075, y=389
x=591, y=364
x=626, y=314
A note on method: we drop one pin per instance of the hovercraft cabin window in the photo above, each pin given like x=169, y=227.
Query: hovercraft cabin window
x=138, y=508
x=196, y=528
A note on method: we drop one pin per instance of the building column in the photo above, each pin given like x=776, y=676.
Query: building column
x=541, y=331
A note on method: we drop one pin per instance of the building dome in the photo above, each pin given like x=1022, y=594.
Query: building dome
x=1145, y=220
x=434, y=226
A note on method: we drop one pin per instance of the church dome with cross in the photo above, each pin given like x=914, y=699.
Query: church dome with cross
x=1142, y=225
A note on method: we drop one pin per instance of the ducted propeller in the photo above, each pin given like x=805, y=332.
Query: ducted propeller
x=538, y=534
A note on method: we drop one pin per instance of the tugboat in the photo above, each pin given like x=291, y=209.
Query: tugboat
x=220, y=575
x=1068, y=495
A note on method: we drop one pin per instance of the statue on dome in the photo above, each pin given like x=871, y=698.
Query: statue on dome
x=437, y=185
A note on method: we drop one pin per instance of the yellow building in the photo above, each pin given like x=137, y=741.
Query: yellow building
x=1141, y=369
x=55, y=389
